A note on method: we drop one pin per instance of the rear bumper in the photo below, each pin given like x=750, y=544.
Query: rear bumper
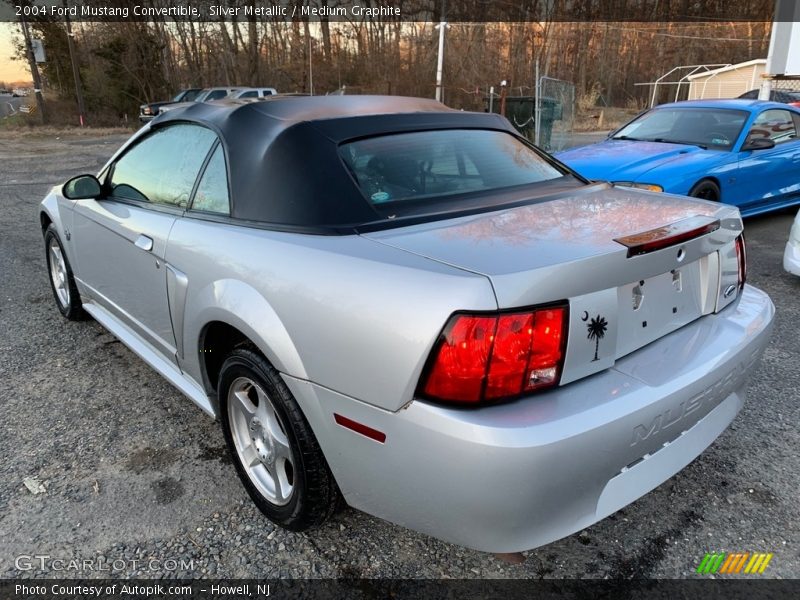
x=520, y=475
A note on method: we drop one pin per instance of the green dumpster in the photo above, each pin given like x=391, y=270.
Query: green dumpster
x=521, y=111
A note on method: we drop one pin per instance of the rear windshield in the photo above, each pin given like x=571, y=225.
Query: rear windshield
x=434, y=164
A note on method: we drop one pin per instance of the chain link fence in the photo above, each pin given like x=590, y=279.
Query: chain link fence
x=556, y=114
x=545, y=116
x=785, y=88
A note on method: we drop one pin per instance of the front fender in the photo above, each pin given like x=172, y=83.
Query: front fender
x=58, y=210
x=681, y=178
x=49, y=207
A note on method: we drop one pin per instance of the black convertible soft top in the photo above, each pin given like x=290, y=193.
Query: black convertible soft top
x=282, y=152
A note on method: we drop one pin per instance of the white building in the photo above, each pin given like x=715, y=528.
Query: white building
x=727, y=82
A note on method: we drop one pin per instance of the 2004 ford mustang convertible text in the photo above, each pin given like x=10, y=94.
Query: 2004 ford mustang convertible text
x=411, y=307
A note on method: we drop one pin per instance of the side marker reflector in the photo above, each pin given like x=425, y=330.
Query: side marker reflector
x=364, y=430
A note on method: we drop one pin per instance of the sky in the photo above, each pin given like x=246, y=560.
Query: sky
x=11, y=70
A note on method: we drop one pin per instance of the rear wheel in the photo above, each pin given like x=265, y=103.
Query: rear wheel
x=706, y=190
x=65, y=292
x=274, y=450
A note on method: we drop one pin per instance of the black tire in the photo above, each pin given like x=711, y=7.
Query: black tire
x=706, y=190
x=314, y=495
x=69, y=303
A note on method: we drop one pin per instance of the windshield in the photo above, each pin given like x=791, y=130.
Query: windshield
x=434, y=164
x=187, y=96
x=714, y=128
x=215, y=95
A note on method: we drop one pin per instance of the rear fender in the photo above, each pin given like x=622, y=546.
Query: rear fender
x=241, y=306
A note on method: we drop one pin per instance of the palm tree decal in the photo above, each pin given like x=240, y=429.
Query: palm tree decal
x=597, y=331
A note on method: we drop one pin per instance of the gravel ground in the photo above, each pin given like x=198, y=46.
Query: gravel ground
x=133, y=472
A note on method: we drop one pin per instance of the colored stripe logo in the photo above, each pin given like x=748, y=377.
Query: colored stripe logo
x=753, y=563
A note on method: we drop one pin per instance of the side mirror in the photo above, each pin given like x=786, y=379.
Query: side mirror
x=82, y=187
x=758, y=143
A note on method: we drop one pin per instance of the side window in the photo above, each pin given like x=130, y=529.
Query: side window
x=212, y=193
x=250, y=94
x=775, y=124
x=163, y=167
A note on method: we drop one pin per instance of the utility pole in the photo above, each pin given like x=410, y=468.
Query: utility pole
x=75, y=72
x=440, y=58
x=503, y=94
x=310, y=64
x=37, y=80
x=537, y=106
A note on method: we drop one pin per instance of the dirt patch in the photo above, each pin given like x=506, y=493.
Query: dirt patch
x=149, y=459
x=603, y=118
x=20, y=131
x=167, y=490
x=219, y=453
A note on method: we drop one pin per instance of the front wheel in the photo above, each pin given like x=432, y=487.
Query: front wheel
x=706, y=190
x=273, y=448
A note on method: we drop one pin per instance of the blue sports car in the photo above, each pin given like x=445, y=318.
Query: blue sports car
x=742, y=152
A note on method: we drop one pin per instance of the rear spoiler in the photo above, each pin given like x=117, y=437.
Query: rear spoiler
x=668, y=235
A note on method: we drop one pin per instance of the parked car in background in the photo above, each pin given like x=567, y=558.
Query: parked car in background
x=206, y=95
x=742, y=152
x=149, y=111
x=438, y=321
x=217, y=93
x=791, y=256
x=786, y=96
x=255, y=93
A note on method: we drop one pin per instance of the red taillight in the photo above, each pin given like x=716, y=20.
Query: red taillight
x=460, y=365
x=480, y=357
x=509, y=360
x=547, y=352
x=741, y=259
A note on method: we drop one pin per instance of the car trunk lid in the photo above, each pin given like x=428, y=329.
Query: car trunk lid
x=621, y=297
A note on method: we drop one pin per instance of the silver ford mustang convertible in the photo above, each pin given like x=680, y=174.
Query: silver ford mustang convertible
x=413, y=309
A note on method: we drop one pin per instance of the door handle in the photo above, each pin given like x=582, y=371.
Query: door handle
x=144, y=242
x=796, y=157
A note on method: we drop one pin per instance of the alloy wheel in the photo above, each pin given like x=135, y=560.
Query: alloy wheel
x=261, y=441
